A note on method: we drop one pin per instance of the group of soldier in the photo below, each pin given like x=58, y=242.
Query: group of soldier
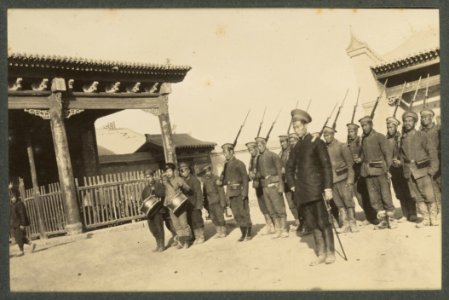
x=320, y=179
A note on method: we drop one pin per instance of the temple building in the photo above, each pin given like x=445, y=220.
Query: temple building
x=414, y=66
x=53, y=103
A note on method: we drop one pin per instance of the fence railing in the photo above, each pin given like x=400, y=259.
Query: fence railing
x=103, y=200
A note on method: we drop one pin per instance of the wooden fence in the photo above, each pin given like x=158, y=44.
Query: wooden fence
x=108, y=199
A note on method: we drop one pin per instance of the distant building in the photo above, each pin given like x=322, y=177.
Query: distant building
x=418, y=56
x=121, y=150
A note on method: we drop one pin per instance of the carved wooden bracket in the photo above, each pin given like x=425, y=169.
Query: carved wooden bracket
x=16, y=85
x=133, y=88
x=40, y=85
x=113, y=87
x=91, y=87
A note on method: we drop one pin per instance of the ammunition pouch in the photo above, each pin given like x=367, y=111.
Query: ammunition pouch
x=269, y=180
x=425, y=163
x=341, y=171
x=235, y=186
x=376, y=164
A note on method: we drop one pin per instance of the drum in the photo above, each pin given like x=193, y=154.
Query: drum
x=149, y=204
x=177, y=202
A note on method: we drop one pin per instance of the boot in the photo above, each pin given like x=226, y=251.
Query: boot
x=159, y=245
x=180, y=243
x=382, y=217
x=433, y=209
x=228, y=212
x=243, y=230
x=303, y=229
x=175, y=242
x=223, y=231
x=296, y=227
x=277, y=227
x=352, y=221
x=269, y=228
x=283, y=225
x=424, y=211
x=329, y=245
x=199, y=236
x=319, y=248
x=248, y=233
x=392, y=223
x=218, y=232
x=343, y=220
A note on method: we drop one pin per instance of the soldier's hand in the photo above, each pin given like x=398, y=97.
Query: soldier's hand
x=389, y=175
x=22, y=227
x=357, y=160
x=396, y=163
x=292, y=189
x=328, y=194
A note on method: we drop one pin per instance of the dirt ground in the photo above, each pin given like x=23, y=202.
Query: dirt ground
x=121, y=260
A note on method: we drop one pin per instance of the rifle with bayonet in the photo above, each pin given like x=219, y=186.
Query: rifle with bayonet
x=398, y=103
x=327, y=121
x=378, y=99
x=272, y=125
x=427, y=91
x=290, y=125
x=308, y=105
x=339, y=110
x=354, y=110
x=261, y=122
x=220, y=180
x=416, y=93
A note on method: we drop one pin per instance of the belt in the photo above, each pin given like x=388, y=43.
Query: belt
x=407, y=161
x=234, y=186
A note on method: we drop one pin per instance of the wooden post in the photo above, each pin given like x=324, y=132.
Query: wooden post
x=36, y=194
x=167, y=137
x=57, y=111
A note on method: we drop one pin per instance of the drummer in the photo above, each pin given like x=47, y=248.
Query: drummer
x=159, y=214
x=174, y=185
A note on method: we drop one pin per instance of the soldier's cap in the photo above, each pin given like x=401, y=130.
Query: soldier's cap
x=365, y=119
x=427, y=111
x=293, y=136
x=260, y=139
x=149, y=172
x=228, y=146
x=251, y=144
x=204, y=169
x=170, y=166
x=328, y=129
x=409, y=114
x=352, y=125
x=283, y=137
x=184, y=165
x=393, y=120
x=301, y=115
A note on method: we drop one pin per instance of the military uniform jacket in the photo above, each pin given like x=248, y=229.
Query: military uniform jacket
x=393, y=143
x=283, y=155
x=269, y=168
x=157, y=189
x=433, y=133
x=214, y=193
x=18, y=215
x=418, y=155
x=309, y=170
x=195, y=194
x=355, y=147
x=341, y=160
x=174, y=186
x=235, y=178
x=376, y=155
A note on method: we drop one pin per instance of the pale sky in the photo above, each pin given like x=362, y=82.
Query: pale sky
x=241, y=58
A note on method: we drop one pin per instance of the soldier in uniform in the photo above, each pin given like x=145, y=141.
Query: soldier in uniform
x=360, y=189
x=216, y=198
x=18, y=221
x=236, y=180
x=195, y=204
x=269, y=173
x=343, y=179
x=285, y=151
x=400, y=185
x=254, y=152
x=376, y=159
x=309, y=172
x=160, y=214
x=173, y=186
x=433, y=132
x=419, y=158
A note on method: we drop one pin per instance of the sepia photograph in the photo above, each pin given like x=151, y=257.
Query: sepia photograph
x=224, y=149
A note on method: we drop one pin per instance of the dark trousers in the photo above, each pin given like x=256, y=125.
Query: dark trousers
x=156, y=224
x=194, y=217
x=315, y=215
x=291, y=203
x=20, y=237
x=261, y=201
x=362, y=196
x=216, y=212
x=240, y=210
x=343, y=195
x=402, y=192
x=274, y=202
x=422, y=189
x=379, y=193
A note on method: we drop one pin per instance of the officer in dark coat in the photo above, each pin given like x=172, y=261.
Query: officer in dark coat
x=284, y=154
x=254, y=152
x=18, y=221
x=236, y=180
x=269, y=174
x=376, y=159
x=160, y=213
x=360, y=189
x=195, y=204
x=400, y=185
x=433, y=132
x=420, y=161
x=216, y=199
x=309, y=172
